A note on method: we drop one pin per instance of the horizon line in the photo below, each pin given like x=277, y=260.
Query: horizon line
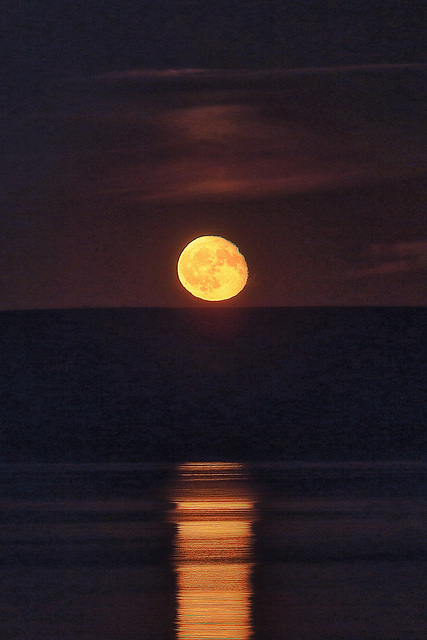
x=213, y=306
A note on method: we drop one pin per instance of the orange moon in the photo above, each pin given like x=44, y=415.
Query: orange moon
x=212, y=268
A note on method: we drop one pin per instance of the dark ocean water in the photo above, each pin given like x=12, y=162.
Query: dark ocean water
x=332, y=551
x=88, y=385
x=111, y=530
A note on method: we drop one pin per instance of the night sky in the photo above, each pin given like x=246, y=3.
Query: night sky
x=296, y=130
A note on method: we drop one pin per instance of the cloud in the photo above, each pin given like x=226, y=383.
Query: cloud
x=147, y=135
x=393, y=258
x=231, y=150
x=202, y=133
x=247, y=74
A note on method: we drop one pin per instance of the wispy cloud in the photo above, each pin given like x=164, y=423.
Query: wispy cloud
x=231, y=150
x=233, y=133
x=238, y=74
x=145, y=135
x=392, y=258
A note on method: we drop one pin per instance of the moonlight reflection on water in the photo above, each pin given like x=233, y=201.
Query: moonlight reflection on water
x=213, y=551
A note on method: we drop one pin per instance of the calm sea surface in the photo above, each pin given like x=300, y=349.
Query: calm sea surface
x=213, y=550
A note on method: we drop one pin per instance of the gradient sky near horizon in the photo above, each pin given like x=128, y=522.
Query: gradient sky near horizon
x=128, y=129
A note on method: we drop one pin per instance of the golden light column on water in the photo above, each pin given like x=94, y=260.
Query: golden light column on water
x=214, y=511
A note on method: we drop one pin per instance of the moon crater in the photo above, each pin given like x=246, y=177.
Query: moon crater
x=212, y=268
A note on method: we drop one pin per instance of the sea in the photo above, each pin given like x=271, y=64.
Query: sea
x=213, y=474
x=213, y=383
x=213, y=550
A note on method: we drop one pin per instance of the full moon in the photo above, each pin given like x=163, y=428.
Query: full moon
x=212, y=268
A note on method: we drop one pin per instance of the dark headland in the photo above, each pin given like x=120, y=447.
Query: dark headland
x=151, y=384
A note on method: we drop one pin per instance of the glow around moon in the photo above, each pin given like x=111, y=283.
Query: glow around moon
x=212, y=268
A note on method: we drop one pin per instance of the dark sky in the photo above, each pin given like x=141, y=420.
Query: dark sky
x=296, y=130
